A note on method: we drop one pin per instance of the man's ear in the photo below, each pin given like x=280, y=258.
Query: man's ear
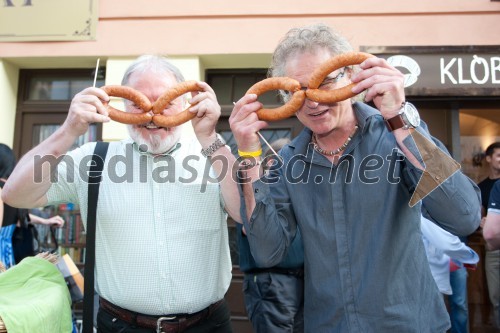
x=488, y=158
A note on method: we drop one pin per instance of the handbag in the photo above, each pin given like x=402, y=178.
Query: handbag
x=26, y=241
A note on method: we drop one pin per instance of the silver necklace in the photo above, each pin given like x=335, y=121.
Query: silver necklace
x=336, y=151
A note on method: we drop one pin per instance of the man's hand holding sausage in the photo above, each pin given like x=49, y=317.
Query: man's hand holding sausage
x=86, y=108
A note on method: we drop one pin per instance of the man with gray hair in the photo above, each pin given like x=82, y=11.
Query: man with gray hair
x=162, y=253
x=365, y=268
x=492, y=256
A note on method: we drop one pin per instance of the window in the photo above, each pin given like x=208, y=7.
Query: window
x=43, y=102
x=229, y=86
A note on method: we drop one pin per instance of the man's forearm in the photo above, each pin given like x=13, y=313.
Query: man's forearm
x=491, y=231
x=224, y=166
x=30, y=181
x=249, y=172
x=400, y=135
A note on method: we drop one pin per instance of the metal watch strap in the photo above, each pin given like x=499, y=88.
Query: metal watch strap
x=219, y=142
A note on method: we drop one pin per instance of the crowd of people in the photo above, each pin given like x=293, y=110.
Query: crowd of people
x=342, y=254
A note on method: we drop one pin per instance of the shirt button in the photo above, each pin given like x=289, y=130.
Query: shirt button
x=256, y=190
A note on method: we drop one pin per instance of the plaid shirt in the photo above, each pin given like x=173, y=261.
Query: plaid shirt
x=161, y=239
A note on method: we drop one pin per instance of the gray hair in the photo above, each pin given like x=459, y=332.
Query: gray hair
x=155, y=63
x=306, y=39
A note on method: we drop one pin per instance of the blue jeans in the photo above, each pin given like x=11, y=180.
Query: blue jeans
x=459, y=311
x=6, y=249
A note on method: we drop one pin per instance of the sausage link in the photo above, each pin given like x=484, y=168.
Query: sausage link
x=175, y=120
x=339, y=61
x=139, y=99
x=275, y=83
x=331, y=96
x=172, y=93
x=284, y=111
x=128, y=117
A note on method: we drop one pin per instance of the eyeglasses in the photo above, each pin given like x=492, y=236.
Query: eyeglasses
x=327, y=84
x=329, y=81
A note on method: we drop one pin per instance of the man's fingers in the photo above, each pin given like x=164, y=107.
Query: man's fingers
x=245, y=107
x=380, y=89
x=94, y=117
x=206, y=87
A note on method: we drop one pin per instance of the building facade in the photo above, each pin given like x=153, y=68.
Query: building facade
x=448, y=49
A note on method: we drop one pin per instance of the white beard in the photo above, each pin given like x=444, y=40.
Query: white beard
x=154, y=143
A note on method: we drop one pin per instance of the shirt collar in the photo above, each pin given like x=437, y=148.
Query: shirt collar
x=362, y=113
x=168, y=152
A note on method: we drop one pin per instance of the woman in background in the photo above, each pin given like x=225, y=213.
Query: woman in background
x=11, y=217
x=8, y=215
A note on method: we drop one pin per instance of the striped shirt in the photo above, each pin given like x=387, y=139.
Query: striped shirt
x=161, y=237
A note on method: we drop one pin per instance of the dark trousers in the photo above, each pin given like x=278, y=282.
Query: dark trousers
x=217, y=322
x=274, y=302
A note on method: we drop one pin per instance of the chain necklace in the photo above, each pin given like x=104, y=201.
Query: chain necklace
x=336, y=151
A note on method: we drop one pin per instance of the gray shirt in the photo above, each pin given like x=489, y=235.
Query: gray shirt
x=365, y=263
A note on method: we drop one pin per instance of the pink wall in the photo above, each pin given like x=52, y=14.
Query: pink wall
x=187, y=27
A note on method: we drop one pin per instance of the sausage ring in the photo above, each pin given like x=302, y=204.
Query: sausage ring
x=168, y=96
x=140, y=100
x=283, y=111
x=320, y=73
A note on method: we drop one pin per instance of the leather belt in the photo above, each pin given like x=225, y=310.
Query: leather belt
x=297, y=272
x=161, y=324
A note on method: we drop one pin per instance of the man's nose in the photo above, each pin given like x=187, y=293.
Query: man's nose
x=311, y=104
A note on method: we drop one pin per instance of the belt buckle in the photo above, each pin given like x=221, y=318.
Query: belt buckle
x=160, y=320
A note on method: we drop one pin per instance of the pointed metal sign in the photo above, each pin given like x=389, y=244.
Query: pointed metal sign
x=439, y=166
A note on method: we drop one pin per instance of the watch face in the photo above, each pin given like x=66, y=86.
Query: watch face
x=411, y=114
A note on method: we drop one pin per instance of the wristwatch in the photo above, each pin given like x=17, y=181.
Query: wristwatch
x=219, y=142
x=406, y=118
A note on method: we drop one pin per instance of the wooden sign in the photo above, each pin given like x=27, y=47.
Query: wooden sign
x=48, y=20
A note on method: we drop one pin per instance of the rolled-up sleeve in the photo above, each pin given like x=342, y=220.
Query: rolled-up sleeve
x=455, y=204
x=68, y=176
x=272, y=225
x=494, y=204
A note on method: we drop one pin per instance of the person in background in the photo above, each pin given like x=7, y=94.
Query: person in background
x=16, y=239
x=459, y=306
x=56, y=221
x=162, y=250
x=9, y=216
x=445, y=251
x=25, y=239
x=274, y=296
x=492, y=157
x=365, y=266
x=491, y=230
x=492, y=257
x=491, y=234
